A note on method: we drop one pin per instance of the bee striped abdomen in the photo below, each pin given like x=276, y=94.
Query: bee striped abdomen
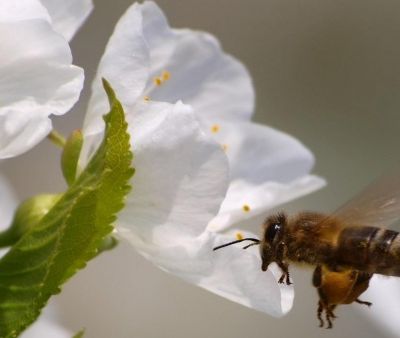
x=370, y=249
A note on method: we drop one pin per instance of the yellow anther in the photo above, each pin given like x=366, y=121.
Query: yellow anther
x=224, y=147
x=166, y=75
x=146, y=98
x=239, y=236
x=157, y=81
x=246, y=208
x=215, y=128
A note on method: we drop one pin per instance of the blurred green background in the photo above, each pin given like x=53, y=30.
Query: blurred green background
x=326, y=72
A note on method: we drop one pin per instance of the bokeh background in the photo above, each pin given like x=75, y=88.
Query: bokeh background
x=327, y=72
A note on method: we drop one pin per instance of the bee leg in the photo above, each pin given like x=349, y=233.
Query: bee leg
x=331, y=308
x=319, y=314
x=363, y=302
x=285, y=273
x=330, y=315
x=283, y=266
x=317, y=276
x=328, y=319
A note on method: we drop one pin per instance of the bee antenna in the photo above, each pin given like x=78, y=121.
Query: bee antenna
x=255, y=240
x=249, y=245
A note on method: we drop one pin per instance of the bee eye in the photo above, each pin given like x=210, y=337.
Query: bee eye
x=271, y=232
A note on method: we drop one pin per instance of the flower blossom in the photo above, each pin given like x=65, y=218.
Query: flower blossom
x=201, y=166
x=37, y=78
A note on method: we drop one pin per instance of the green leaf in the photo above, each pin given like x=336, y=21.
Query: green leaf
x=70, y=156
x=70, y=233
x=79, y=334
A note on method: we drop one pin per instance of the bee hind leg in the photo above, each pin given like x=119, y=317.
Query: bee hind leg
x=329, y=315
x=363, y=302
x=320, y=310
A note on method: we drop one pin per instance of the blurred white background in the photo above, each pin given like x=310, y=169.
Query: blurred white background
x=327, y=72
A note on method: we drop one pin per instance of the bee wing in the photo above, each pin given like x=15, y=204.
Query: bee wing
x=377, y=205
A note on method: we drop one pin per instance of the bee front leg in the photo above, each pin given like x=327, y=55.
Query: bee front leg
x=285, y=273
x=283, y=266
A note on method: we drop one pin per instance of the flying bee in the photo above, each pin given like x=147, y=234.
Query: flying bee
x=346, y=248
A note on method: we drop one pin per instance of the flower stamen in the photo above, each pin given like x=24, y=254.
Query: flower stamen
x=165, y=75
x=246, y=208
x=215, y=128
x=158, y=81
x=239, y=236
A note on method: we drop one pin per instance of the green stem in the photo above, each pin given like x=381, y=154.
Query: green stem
x=57, y=138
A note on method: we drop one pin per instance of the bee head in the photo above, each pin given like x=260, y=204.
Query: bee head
x=270, y=245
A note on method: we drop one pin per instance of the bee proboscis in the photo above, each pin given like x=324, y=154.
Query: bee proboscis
x=347, y=247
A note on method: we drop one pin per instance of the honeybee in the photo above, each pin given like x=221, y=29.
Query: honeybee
x=346, y=247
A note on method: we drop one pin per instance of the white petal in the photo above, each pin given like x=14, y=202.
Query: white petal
x=65, y=16
x=233, y=273
x=143, y=46
x=258, y=153
x=214, y=83
x=246, y=200
x=267, y=168
x=36, y=80
x=8, y=203
x=124, y=64
x=18, y=134
x=68, y=16
x=237, y=275
x=384, y=293
x=12, y=11
x=180, y=178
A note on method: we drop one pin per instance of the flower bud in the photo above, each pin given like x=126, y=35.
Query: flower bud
x=29, y=214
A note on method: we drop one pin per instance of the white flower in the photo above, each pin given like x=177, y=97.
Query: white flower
x=68, y=16
x=37, y=78
x=384, y=293
x=46, y=326
x=181, y=171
